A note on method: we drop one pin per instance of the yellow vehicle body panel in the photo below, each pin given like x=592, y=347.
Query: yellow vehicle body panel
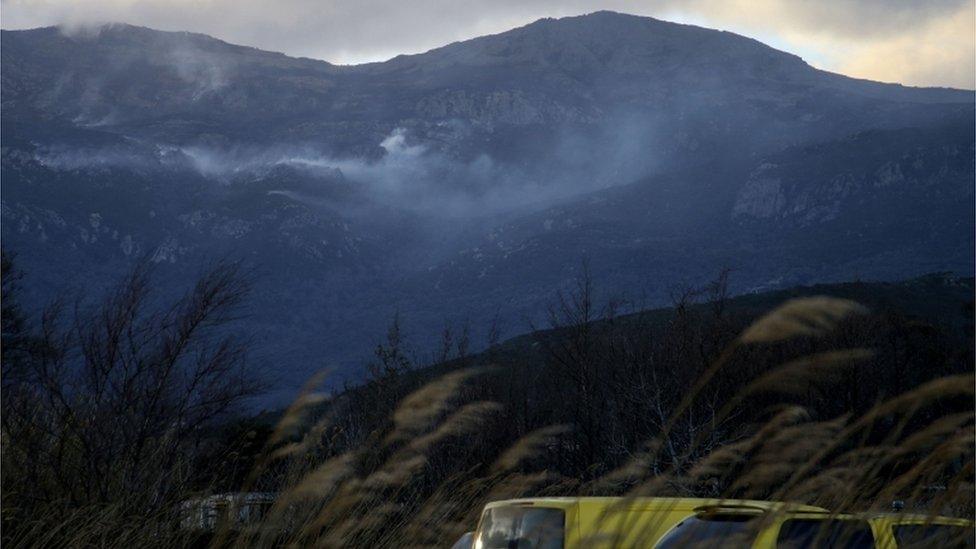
x=882, y=525
x=605, y=522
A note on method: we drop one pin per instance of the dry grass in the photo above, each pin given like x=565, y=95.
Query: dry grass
x=792, y=456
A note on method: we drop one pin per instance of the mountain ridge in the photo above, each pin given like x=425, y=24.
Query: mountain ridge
x=88, y=32
x=545, y=74
x=474, y=183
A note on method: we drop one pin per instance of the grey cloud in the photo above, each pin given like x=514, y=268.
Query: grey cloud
x=372, y=29
x=931, y=46
x=845, y=19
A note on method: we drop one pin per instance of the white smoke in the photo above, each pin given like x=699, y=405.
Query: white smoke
x=409, y=175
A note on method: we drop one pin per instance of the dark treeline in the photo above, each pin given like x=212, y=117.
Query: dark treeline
x=121, y=406
x=614, y=380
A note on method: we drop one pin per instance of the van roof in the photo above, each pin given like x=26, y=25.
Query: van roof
x=919, y=518
x=690, y=504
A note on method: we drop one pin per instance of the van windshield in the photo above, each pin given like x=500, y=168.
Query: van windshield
x=712, y=530
x=521, y=527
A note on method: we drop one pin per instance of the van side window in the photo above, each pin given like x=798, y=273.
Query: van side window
x=712, y=530
x=944, y=536
x=812, y=533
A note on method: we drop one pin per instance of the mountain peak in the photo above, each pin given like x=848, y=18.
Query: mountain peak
x=601, y=17
x=608, y=41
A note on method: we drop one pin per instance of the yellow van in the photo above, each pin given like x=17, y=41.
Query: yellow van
x=598, y=522
x=720, y=526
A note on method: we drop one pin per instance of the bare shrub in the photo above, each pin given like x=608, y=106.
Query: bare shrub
x=110, y=403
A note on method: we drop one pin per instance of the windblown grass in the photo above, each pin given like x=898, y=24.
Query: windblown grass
x=848, y=463
x=403, y=486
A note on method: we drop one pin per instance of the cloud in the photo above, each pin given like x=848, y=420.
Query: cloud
x=843, y=19
x=932, y=40
x=922, y=43
x=929, y=54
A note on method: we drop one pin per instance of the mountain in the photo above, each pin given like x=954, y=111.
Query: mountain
x=470, y=181
x=177, y=86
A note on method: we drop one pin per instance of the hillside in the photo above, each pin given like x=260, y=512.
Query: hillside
x=939, y=302
x=468, y=182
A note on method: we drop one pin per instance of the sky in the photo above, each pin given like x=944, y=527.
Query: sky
x=914, y=42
